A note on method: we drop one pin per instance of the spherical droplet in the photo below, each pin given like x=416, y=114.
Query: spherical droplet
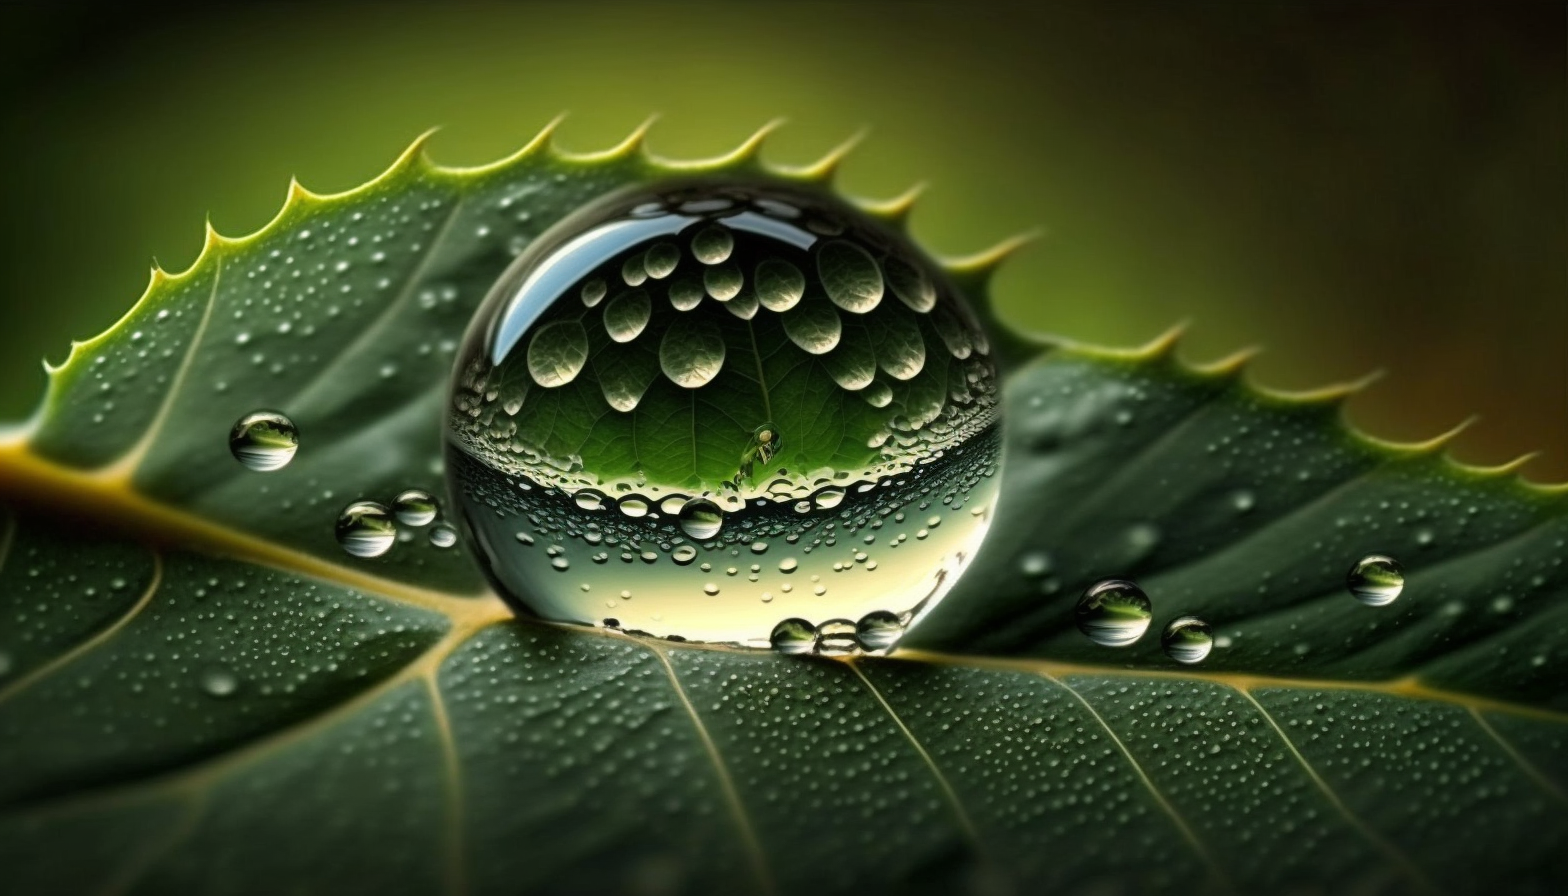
x=1376, y=580
x=443, y=535
x=627, y=315
x=264, y=441
x=779, y=284
x=1187, y=639
x=878, y=631
x=837, y=637
x=1114, y=613
x=794, y=636
x=366, y=529
x=849, y=275
x=712, y=244
x=682, y=374
x=414, y=507
x=701, y=519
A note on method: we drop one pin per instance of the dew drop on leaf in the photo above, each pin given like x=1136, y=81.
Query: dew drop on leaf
x=1187, y=639
x=366, y=529
x=414, y=507
x=264, y=441
x=719, y=361
x=1114, y=613
x=1376, y=580
x=794, y=636
x=443, y=535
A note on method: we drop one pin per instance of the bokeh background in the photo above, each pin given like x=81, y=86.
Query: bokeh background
x=1353, y=186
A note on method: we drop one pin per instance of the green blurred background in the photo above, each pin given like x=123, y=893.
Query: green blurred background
x=1351, y=185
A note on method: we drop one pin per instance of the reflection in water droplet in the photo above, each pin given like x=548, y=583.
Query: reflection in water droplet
x=414, y=507
x=634, y=357
x=366, y=529
x=849, y=276
x=264, y=441
x=443, y=535
x=1114, y=613
x=701, y=519
x=627, y=315
x=837, y=637
x=779, y=284
x=712, y=244
x=794, y=636
x=219, y=682
x=1187, y=639
x=1376, y=580
x=878, y=631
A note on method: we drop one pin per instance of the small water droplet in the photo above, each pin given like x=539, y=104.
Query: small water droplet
x=1375, y=580
x=837, y=637
x=634, y=507
x=264, y=441
x=414, y=507
x=794, y=636
x=443, y=535
x=1187, y=639
x=588, y=499
x=1114, y=613
x=849, y=276
x=366, y=529
x=701, y=519
x=217, y=681
x=683, y=554
x=712, y=244
x=829, y=498
x=878, y=631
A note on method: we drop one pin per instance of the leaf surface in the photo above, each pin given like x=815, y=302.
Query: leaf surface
x=199, y=692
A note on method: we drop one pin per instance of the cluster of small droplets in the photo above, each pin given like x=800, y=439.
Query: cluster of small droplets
x=369, y=528
x=875, y=634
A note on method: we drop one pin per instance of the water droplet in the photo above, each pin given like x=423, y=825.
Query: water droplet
x=366, y=529
x=794, y=636
x=443, y=535
x=878, y=631
x=712, y=244
x=633, y=357
x=779, y=284
x=701, y=519
x=264, y=441
x=849, y=275
x=837, y=637
x=1114, y=613
x=217, y=681
x=1376, y=580
x=627, y=315
x=1187, y=639
x=414, y=507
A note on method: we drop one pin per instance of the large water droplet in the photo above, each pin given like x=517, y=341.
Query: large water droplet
x=681, y=379
x=1114, y=613
x=1187, y=639
x=837, y=637
x=1376, y=580
x=415, y=507
x=443, y=535
x=366, y=529
x=264, y=441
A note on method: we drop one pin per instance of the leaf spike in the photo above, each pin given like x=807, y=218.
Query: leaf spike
x=1508, y=467
x=746, y=153
x=1436, y=443
x=415, y=155
x=1232, y=364
x=895, y=211
x=1333, y=393
x=982, y=263
x=824, y=169
x=632, y=145
x=544, y=141
x=1164, y=345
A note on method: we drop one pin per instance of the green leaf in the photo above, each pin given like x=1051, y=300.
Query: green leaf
x=199, y=692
